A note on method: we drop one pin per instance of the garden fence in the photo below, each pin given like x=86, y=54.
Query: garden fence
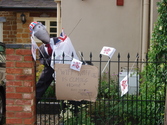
x=143, y=104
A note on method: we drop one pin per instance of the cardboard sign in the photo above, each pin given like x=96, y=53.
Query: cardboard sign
x=74, y=85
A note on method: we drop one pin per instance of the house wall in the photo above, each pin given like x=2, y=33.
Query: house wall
x=92, y=24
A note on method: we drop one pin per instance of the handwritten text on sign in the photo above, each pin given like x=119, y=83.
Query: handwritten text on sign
x=74, y=85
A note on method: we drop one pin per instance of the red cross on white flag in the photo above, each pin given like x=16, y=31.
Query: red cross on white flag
x=76, y=65
x=108, y=51
x=124, y=85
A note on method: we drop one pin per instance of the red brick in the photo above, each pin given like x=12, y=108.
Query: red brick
x=10, y=77
x=10, y=114
x=28, y=58
x=10, y=51
x=13, y=95
x=14, y=28
x=23, y=102
x=7, y=28
x=14, y=58
x=28, y=83
x=10, y=64
x=14, y=108
x=24, y=64
x=12, y=36
x=28, y=96
x=6, y=40
x=13, y=83
x=24, y=89
x=10, y=102
x=6, y=32
x=19, y=40
x=33, y=108
x=23, y=114
x=25, y=36
x=23, y=52
x=30, y=121
x=19, y=30
x=18, y=35
x=10, y=89
x=13, y=121
x=14, y=71
x=24, y=77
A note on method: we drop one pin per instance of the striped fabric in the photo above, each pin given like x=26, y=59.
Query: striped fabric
x=32, y=25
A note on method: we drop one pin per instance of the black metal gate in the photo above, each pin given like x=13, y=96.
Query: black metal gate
x=144, y=103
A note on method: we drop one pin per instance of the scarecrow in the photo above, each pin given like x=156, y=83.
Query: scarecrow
x=38, y=30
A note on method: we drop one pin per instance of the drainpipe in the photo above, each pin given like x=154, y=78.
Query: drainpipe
x=145, y=33
x=58, y=16
x=151, y=17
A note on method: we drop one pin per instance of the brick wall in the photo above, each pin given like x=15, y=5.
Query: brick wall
x=9, y=27
x=20, y=85
x=23, y=32
x=14, y=31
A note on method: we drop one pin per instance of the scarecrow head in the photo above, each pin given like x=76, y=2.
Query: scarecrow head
x=38, y=30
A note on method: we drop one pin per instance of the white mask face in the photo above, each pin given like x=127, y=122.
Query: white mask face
x=41, y=33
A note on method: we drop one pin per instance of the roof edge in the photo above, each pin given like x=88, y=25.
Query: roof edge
x=29, y=7
x=2, y=8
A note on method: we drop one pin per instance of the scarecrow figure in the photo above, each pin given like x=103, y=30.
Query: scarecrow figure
x=38, y=30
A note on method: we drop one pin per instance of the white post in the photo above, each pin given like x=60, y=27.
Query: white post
x=58, y=16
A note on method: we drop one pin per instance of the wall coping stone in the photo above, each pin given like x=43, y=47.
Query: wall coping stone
x=18, y=46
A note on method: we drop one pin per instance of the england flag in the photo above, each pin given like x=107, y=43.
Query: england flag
x=108, y=51
x=124, y=85
x=63, y=45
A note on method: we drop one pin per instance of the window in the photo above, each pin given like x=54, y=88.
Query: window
x=51, y=25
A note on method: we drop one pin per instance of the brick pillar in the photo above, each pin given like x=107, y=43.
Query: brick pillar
x=20, y=85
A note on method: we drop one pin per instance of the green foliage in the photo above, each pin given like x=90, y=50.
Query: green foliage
x=155, y=71
x=49, y=92
x=108, y=87
x=69, y=117
x=104, y=110
x=39, y=71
